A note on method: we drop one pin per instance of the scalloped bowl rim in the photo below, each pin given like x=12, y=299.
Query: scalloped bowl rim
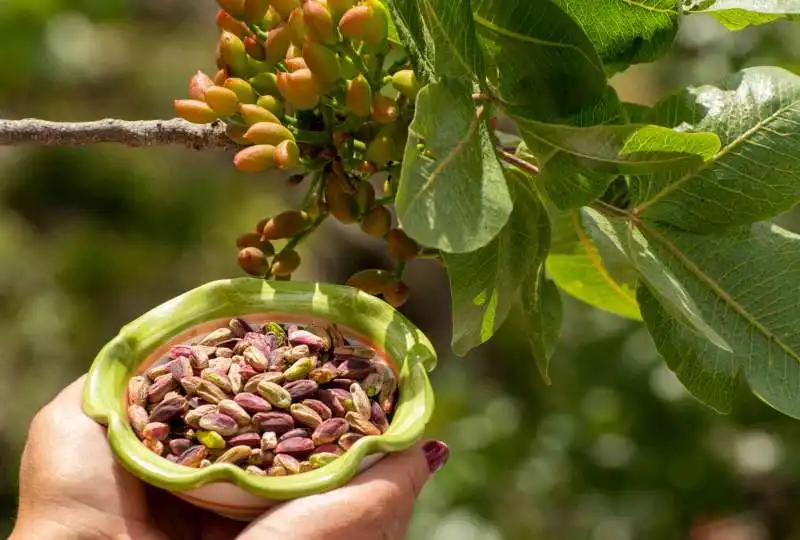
x=404, y=344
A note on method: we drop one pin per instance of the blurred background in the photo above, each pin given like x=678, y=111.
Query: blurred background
x=91, y=238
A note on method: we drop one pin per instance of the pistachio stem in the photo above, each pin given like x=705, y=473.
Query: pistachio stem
x=518, y=162
x=315, y=179
x=398, y=270
x=259, y=33
x=295, y=240
x=350, y=52
x=388, y=199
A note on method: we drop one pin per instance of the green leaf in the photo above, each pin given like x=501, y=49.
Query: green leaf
x=745, y=284
x=456, y=51
x=485, y=282
x=739, y=14
x=589, y=158
x=618, y=239
x=538, y=51
x=578, y=268
x=414, y=36
x=457, y=200
x=626, y=32
x=756, y=173
x=542, y=315
x=394, y=36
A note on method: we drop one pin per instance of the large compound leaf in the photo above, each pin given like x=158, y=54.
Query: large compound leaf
x=457, y=200
x=484, y=283
x=578, y=268
x=756, y=173
x=545, y=64
x=589, y=158
x=456, y=51
x=739, y=14
x=746, y=286
x=626, y=32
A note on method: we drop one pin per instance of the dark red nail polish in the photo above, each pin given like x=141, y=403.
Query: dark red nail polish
x=436, y=452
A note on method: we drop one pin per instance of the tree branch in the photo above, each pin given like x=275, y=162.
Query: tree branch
x=518, y=162
x=131, y=133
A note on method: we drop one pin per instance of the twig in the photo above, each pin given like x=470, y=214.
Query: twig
x=518, y=162
x=131, y=133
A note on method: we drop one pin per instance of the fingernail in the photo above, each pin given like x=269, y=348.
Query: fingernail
x=436, y=452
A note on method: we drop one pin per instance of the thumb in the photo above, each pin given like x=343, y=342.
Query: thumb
x=377, y=504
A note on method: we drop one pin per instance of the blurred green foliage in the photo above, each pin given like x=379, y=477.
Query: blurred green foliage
x=92, y=237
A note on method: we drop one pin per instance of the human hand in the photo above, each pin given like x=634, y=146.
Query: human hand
x=72, y=487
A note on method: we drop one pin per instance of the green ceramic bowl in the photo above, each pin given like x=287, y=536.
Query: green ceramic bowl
x=224, y=488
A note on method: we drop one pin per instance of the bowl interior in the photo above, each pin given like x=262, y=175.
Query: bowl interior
x=360, y=317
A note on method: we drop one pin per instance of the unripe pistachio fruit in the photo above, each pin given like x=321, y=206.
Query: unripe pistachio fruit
x=401, y=247
x=319, y=21
x=198, y=85
x=256, y=158
x=377, y=222
x=243, y=90
x=253, y=261
x=384, y=109
x=397, y=294
x=285, y=225
x=339, y=7
x=268, y=133
x=405, y=82
x=371, y=281
x=297, y=27
x=255, y=10
x=341, y=201
x=254, y=48
x=358, y=96
x=285, y=7
x=296, y=63
x=285, y=263
x=368, y=22
x=222, y=100
x=195, y=111
x=233, y=54
x=272, y=104
x=287, y=155
x=300, y=89
x=234, y=7
x=322, y=61
x=278, y=41
x=227, y=23
x=265, y=83
x=253, y=114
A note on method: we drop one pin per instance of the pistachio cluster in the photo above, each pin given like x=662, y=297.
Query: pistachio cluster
x=275, y=400
x=314, y=87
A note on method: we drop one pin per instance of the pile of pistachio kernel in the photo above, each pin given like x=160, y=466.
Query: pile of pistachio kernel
x=275, y=400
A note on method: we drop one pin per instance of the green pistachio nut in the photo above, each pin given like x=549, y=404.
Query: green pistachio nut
x=300, y=369
x=253, y=114
x=296, y=26
x=365, y=197
x=384, y=109
x=405, y=81
x=285, y=7
x=223, y=100
x=198, y=85
x=278, y=41
x=235, y=8
x=272, y=104
x=341, y=202
x=371, y=281
x=233, y=54
x=255, y=10
x=368, y=22
x=285, y=263
x=287, y=155
x=265, y=84
x=358, y=96
x=268, y=133
x=300, y=89
x=322, y=61
x=243, y=90
x=401, y=247
x=377, y=222
x=285, y=225
x=340, y=7
x=195, y=111
x=381, y=149
x=319, y=21
x=255, y=49
x=253, y=159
